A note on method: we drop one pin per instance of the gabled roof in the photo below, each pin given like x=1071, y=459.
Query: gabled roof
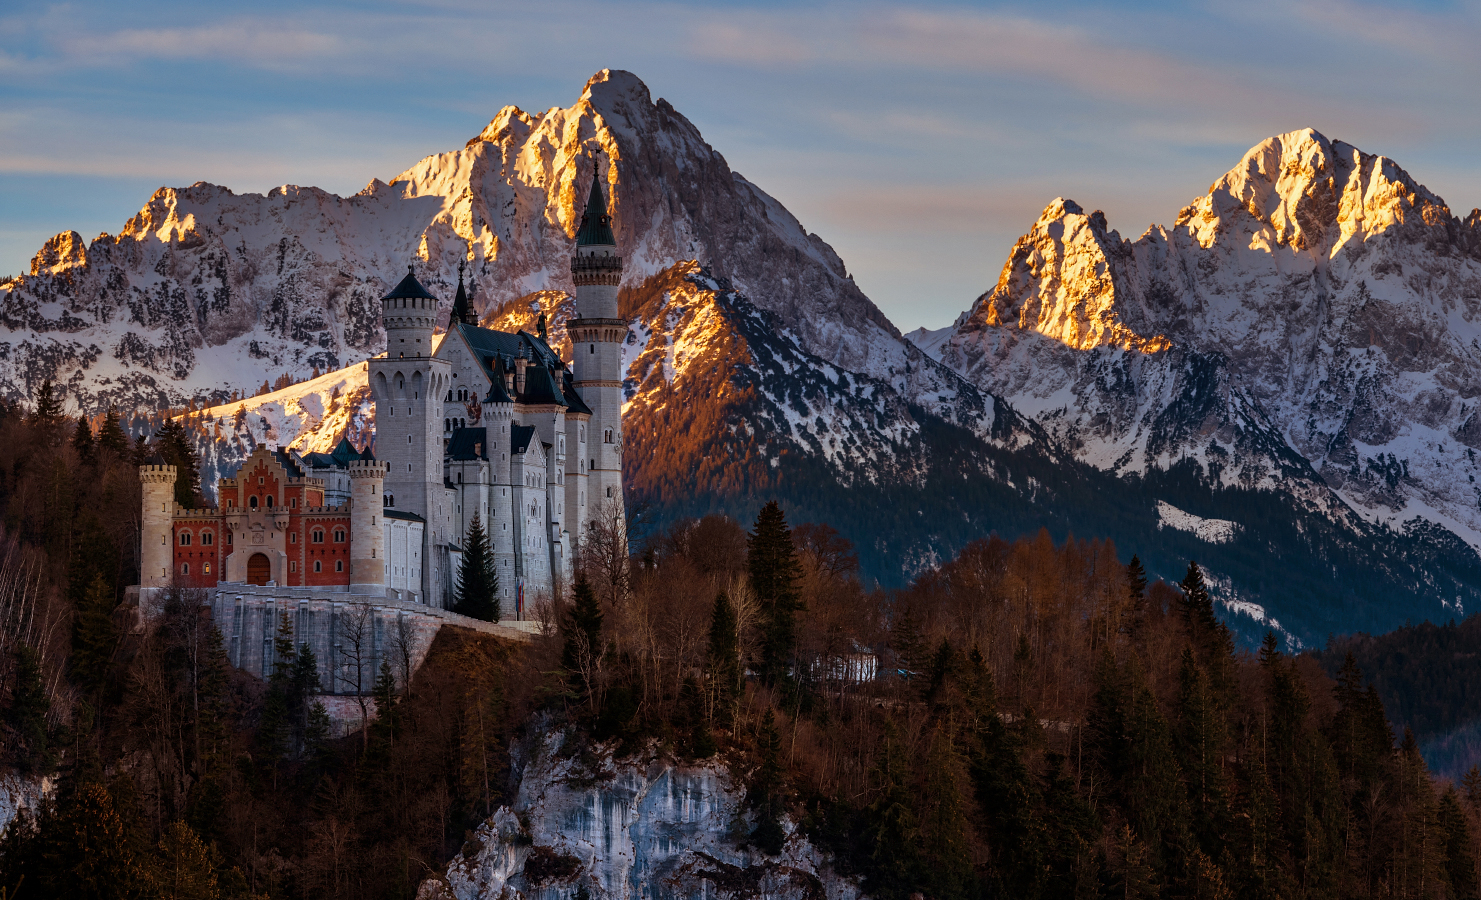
x=468, y=444
x=288, y=463
x=574, y=403
x=496, y=350
x=540, y=388
x=409, y=289
x=596, y=225
x=519, y=438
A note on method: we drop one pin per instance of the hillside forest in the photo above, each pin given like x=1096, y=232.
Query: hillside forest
x=1031, y=719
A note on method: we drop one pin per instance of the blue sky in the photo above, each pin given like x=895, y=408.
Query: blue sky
x=919, y=139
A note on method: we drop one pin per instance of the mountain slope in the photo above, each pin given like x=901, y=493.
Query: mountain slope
x=206, y=291
x=1331, y=301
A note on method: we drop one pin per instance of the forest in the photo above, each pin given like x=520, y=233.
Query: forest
x=1030, y=719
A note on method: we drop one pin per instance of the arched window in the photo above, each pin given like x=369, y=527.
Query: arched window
x=339, y=565
x=317, y=536
x=207, y=568
x=607, y=436
x=252, y=501
x=269, y=501
x=185, y=568
x=293, y=565
x=339, y=535
x=207, y=538
x=447, y=424
x=185, y=539
x=318, y=566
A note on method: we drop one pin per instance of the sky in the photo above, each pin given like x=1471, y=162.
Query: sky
x=919, y=139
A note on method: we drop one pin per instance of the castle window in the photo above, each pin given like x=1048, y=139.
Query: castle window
x=262, y=481
x=207, y=568
x=318, y=566
x=447, y=424
x=609, y=492
x=293, y=503
x=207, y=538
x=269, y=501
x=292, y=537
x=607, y=436
x=317, y=536
x=185, y=568
x=293, y=566
x=408, y=439
x=228, y=539
x=252, y=501
x=339, y=535
x=339, y=565
x=185, y=539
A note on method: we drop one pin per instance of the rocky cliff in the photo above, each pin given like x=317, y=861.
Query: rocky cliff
x=632, y=828
x=1312, y=322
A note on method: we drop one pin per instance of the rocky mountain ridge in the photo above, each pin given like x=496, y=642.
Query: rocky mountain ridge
x=1318, y=307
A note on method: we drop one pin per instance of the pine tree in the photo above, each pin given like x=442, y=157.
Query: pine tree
x=387, y=713
x=1200, y=742
x=82, y=440
x=1460, y=860
x=186, y=866
x=111, y=436
x=772, y=562
x=723, y=662
x=582, y=633
x=764, y=794
x=478, y=579
x=283, y=656
x=1136, y=582
x=48, y=409
x=94, y=636
x=174, y=444
x=27, y=713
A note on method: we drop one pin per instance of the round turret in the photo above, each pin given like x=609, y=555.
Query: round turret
x=367, y=534
x=409, y=313
x=156, y=552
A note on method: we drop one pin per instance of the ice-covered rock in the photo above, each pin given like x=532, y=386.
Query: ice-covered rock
x=629, y=829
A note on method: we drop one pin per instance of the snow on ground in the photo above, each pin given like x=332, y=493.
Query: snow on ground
x=1213, y=531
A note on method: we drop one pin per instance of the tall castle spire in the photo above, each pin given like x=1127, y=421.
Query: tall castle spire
x=462, y=308
x=596, y=224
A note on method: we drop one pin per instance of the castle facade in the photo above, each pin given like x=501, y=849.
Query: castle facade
x=472, y=422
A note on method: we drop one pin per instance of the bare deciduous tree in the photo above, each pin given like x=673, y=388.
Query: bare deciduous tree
x=354, y=666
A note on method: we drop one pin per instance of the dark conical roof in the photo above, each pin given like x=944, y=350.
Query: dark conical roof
x=409, y=289
x=596, y=225
x=540, y=387
x=462, y=308
x=497, y=393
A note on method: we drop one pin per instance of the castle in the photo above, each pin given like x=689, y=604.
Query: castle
x=473, y=422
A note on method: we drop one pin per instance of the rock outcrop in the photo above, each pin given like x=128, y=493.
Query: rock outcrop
x=628, y=829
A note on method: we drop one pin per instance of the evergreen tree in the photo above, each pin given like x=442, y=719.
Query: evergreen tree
x=947, y=862
x=112, y=437
x=283, y=656
x=387, y=713
x=82, y=440
x=723, y=662
x=478, y=580
x=27, y=713
x=894, y=832
x=1200, y=742
x=772, y=563
x=94, y=636
x=1136, y=582
x=582, y=632
x=48, y=409
x=174, y=444
x=1460, y=859
x=765, y=791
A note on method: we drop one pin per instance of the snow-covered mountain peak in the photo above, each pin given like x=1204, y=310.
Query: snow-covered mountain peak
x=59, y=254
x=1061, y=282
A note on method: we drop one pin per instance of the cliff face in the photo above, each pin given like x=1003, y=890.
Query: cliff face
x=1318, y=306
x=17, y=793
x=628, y=829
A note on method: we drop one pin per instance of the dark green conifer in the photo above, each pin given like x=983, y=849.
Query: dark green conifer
x=48, y=407
x=1460, y=859
x=82, y=440
x=764, y=794
x=772, y=563
x=27, y=713
x=111, y=435
x=94, y=636
x=582, y=634
x=478, y=580
x=723, y=663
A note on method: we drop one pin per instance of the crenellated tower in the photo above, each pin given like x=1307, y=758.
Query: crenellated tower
x=408, y=385
x=156, y=552
x=367, y=535
x=597, y=335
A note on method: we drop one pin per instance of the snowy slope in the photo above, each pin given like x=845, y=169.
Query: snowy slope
x=205, y=292
x=1317, y=308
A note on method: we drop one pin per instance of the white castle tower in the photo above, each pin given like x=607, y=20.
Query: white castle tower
x=597, y=334
x=367, y=534
x=408, y=385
